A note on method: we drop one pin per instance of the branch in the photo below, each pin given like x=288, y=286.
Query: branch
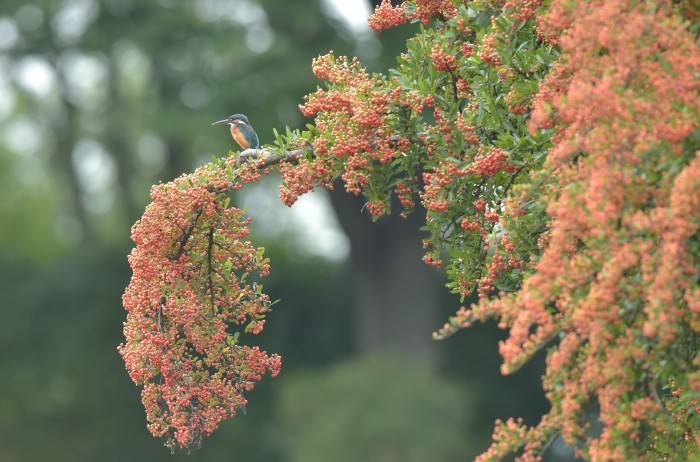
x=520, y=71
x=512, y=180
x=548, y=444
x=186, y=235
x=159, y=319
x=455, y=92
x=210, y=272
x=267, y=158
x=264, y=158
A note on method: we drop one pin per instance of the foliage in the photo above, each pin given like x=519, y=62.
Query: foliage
x=555, y=148
x=361, y=408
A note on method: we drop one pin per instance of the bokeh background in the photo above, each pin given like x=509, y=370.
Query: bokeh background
x=99, y=99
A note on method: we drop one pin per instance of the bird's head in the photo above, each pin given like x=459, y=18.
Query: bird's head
x=235, y=119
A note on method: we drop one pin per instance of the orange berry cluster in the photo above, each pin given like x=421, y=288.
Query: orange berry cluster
x=191, y=266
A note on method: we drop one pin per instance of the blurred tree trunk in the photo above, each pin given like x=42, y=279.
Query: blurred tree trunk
x=66, y=137
x=119, y=145
x=176, y=158
x=397, y=295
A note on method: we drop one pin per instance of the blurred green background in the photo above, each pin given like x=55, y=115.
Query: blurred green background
x=99, y=99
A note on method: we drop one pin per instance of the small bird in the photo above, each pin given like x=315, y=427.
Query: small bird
x=241, y=131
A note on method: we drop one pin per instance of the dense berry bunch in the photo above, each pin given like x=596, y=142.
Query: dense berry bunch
x=351, y=121
x=488, y=51
x=443, y=61
x=192, y=279
x=386, y=16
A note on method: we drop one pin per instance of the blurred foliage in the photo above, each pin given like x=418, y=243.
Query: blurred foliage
x=29, y=196
x=383, y=409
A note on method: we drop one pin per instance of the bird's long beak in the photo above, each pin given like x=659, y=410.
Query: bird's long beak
x=221, y=122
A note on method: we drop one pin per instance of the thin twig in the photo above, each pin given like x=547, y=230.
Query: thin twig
x=210, y=272
x=512, y=180
x=267, y=158
x=548, y=444
x=159, y=319
x=186, y=235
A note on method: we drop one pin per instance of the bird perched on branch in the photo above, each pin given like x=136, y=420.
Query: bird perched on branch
x=241, y=131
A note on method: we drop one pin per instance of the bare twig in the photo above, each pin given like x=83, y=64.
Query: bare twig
x=210, y=272
x=512, y=179
x=159, y=318
x=548, y=444
x=186, y=235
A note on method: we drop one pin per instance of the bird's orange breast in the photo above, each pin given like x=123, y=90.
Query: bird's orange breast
x=238, y=136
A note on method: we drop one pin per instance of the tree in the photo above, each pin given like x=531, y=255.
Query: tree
x=556, y=150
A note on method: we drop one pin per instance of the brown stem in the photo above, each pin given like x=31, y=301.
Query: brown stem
x=266, y=158
x=512, y=180
x=186, y=235
x=455, y=92
x=548, y=444
x=210, y=271
x=160, y=316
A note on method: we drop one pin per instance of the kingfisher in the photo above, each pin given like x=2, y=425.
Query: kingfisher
x=241, y=131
